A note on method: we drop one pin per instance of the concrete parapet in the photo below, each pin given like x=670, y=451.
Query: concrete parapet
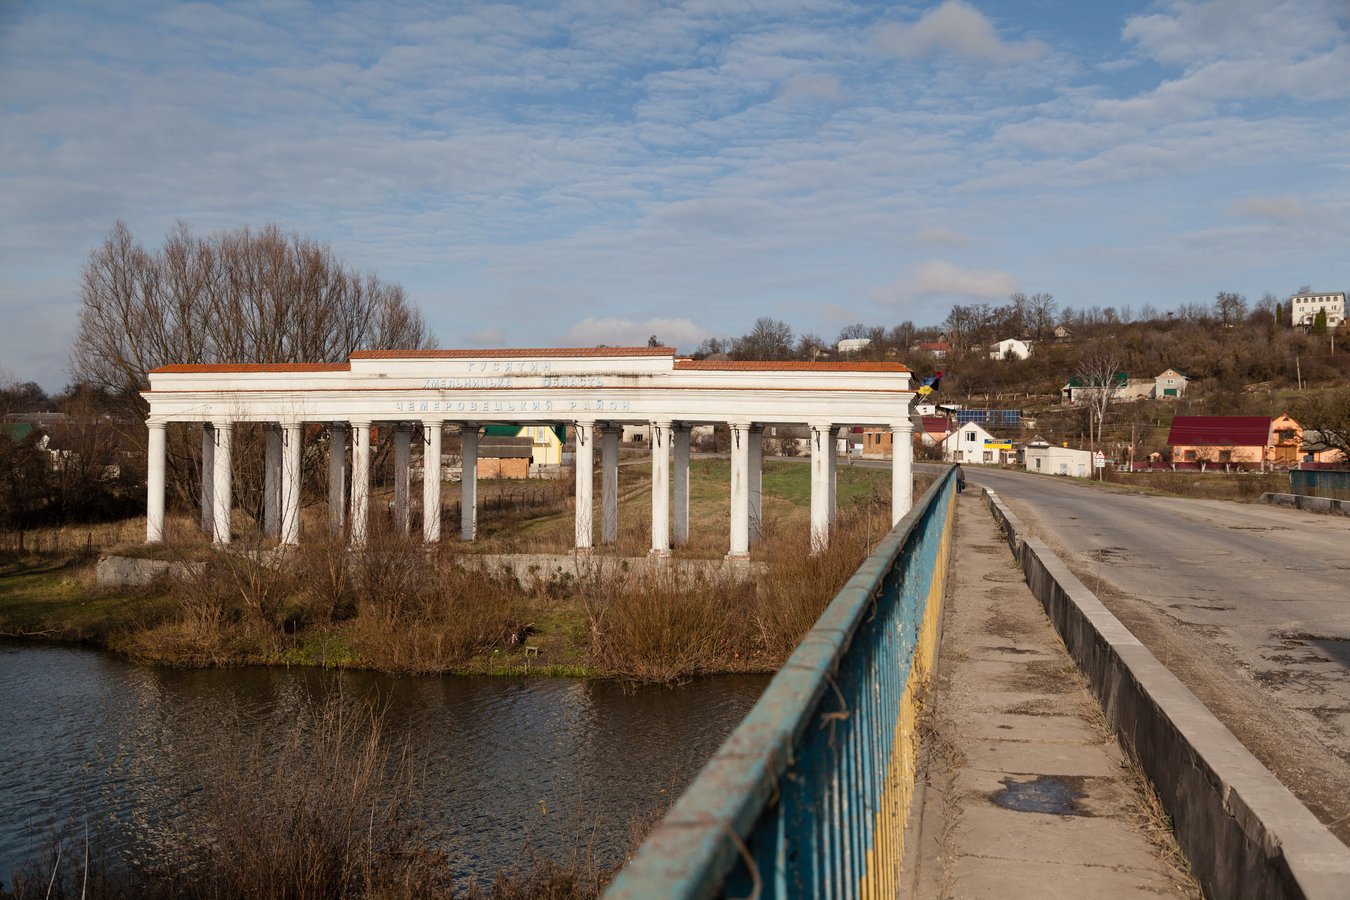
x=1302, y=501
x=1244, y=832
x=529, y=568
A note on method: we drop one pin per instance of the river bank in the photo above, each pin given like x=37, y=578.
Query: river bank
x=401, y=607
x=479, y=777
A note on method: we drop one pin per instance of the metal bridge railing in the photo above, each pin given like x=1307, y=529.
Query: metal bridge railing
x=808, y=796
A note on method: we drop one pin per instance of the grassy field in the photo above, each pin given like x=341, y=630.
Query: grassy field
x=406, y=607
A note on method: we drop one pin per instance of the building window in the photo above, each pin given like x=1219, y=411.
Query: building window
x=1225, y=456
x=1190, y=456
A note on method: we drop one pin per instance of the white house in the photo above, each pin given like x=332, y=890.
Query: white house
x=1169, y=385
x=972, y=444
x=1050, y=460
x=1010, y=348
x=1306, y=306
x=853, y=345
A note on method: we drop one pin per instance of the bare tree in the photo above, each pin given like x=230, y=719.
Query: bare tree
x=1230, y=308
x=236, y=296
x=1328, y=415
x=1041, y=314
x=770, y=339
x=1101, y=378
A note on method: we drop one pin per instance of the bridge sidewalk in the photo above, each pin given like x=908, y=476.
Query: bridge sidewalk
x=1024, y=794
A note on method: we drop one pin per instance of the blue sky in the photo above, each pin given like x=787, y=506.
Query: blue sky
x=573, y=173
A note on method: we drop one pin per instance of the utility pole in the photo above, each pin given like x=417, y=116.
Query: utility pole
x=1298, y=370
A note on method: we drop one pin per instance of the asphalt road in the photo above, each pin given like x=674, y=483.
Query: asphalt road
x=1248, y=604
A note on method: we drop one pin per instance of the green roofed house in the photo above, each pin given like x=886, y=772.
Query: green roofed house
x=546, y=441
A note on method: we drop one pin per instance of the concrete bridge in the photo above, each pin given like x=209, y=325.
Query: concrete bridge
x=817, y=793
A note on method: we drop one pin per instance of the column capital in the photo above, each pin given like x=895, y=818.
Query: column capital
x=661, y=423
x=903, y=427
x=156, y=423
x=821, y=426
x=432, y=423
x=222, y=424
x=359, y=423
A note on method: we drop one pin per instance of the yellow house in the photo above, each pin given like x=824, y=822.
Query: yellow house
x=546, y=441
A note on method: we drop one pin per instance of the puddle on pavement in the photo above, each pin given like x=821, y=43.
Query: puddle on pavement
x=1047, y=794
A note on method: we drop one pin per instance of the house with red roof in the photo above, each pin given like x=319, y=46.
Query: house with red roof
x=1230, y=441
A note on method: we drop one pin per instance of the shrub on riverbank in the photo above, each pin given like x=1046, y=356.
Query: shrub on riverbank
x=668, y=627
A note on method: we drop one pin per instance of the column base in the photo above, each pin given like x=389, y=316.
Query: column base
x=583, y=551
x=658, y=554
x=737, y=556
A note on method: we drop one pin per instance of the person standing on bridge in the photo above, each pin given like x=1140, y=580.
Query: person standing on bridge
x=960, y=478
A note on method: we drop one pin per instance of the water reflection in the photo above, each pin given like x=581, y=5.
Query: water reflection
x=556, y=764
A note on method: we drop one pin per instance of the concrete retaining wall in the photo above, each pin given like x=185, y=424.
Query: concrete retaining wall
x=1302, y=501
x=1243, y=831
x=527, y=568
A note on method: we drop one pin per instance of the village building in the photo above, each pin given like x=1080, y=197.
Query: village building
x=1010, y=348
x=971, y=444
x=1043, y=457
x=1304, y=308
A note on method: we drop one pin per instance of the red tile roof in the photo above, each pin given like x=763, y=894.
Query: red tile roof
x=728, y=365
x=937, y=424
x=1219, y=431
x=208, y=368
x=515, y=353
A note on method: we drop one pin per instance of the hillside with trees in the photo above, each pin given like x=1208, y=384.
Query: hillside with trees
x=1240, y=358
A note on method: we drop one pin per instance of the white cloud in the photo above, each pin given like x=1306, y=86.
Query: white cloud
x=940, y=236
x=955, y=27
x=939, y=278
x=1282, y=208
x=620, y=332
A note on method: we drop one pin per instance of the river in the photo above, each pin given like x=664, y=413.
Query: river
x=504, y=764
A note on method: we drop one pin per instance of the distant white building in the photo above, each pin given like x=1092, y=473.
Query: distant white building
x=971, y=444
x=1169, y=384
x=1306, y=306
x=853, y=345
x=1010, y=348
x=1050, y=460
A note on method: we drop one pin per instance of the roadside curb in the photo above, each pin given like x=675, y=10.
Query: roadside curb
x=1244, y=832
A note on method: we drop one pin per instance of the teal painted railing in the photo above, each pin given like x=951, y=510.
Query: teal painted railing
x=808, y=796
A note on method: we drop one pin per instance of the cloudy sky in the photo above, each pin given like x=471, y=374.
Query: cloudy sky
x=588, y=171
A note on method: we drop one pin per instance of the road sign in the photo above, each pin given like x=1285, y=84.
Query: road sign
x=1099, y=460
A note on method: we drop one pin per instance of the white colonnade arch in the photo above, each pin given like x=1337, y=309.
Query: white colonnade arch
x=592, y=391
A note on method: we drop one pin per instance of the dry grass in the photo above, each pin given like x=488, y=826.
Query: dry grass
x=670, y=627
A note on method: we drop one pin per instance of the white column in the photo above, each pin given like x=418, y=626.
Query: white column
x=272, y=480
x=740, y=490
x=609, y=484
x=402, y=477
x=360, y=482
x=680, y=435
x=431, y=481
x=834, y=475
x=660, y=489
x=337, y=478
x=902, y=469
x=756, y=482
x=585, y=473
x=292, y=443
x=223, y=482
x=820, y=486
x=468, y=481
x=154, y=483
x=208, y=477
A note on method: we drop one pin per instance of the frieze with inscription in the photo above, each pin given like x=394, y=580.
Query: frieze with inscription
x=519, y=405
